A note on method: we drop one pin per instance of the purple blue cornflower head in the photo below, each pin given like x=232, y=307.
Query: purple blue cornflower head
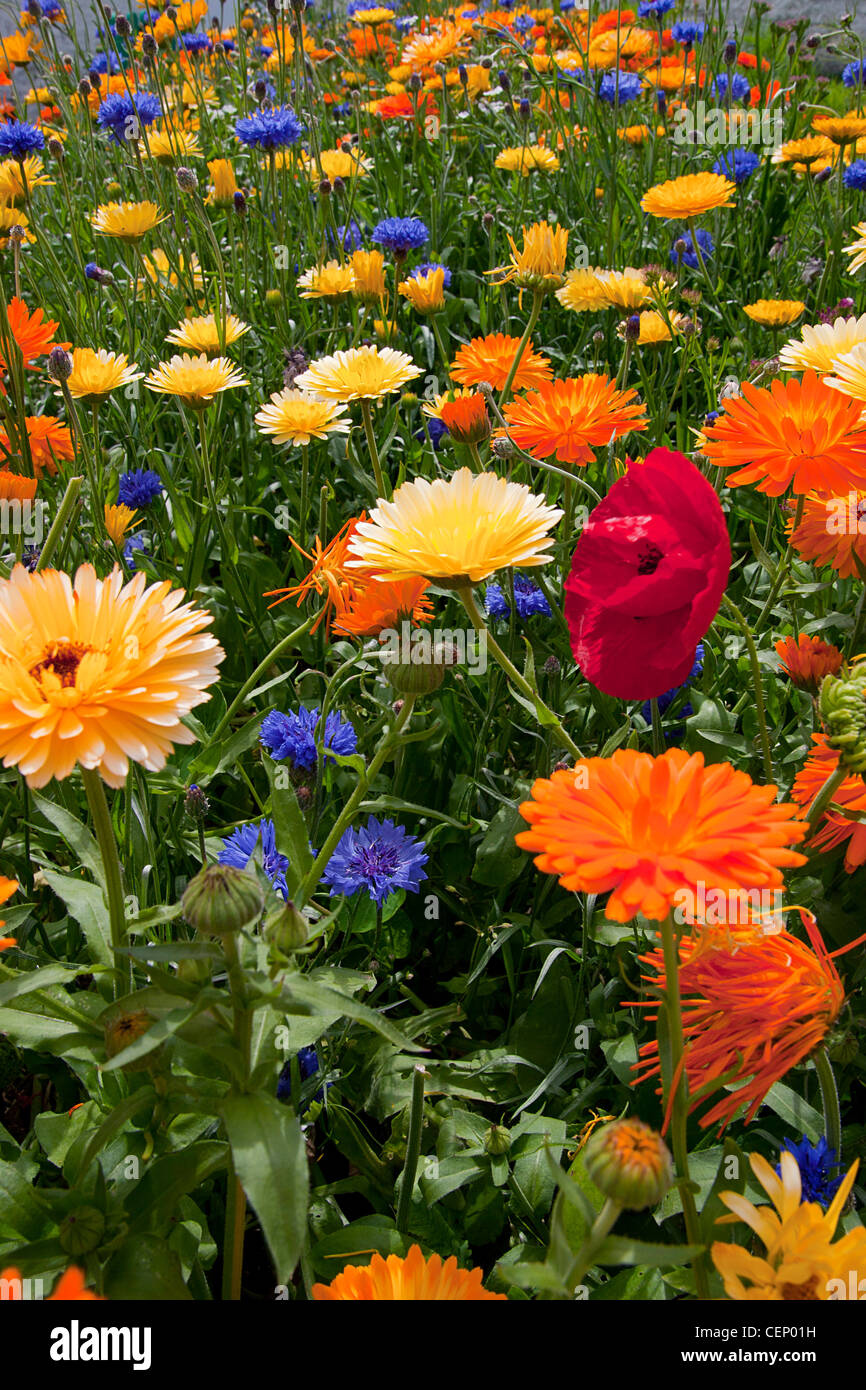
x=523, y=23
x=103, y=63
x=689, y=257
x=852, y=74
x=687, y=34
x=379, y=857
x=528, y=599
x=138, y=488
x=619, y=87
x=400, y=234
x=669, y=696
x=816, y=1163
x=740, y=86
x=434, y=430
x=18, y=139
x=257, y=842
x=293, y=737
x=270, y=130
x=421, y=270
x=196, y=43
x=855, y=175
x=133, y=545
x=308, y=1065
x=123, y=116
x=737, y=164
x=654, y=9
x=349, y=235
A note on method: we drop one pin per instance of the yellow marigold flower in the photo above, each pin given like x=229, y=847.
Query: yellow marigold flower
x=634, y=134
x=423, y=50
x=857, y=249
x=298, y=417
x=369, y=271
x=361, y=374
x=849, y=373
x=820, y=344
x=163, y=276
x=774, y=313
x=196, y=380
x=527, y=159
x=201, y=334
x=804, y=151
x=331, y=281
x=540, y=264
x=412, y=1279
x=842, y=130
x=338, y=164
x=426, y=293
x=224, y=185
x=688, y=196
x=98, y=672
x=170, y=146
x=455, y=531
x=583, y=291
x=654, y=328
x=12, y=188
x=117, y=521
x=17, y=50
x=801, y=1260
x=96, y=374
x=377, y=14
x=624, y=289
x=128, y=221
x=10, y=217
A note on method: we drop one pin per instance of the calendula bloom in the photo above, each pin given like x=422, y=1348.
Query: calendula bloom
x=540, y=263
x=801, y=1261
x=14, y=488
x=97, y=672
x=201, y=334
x=459, y=530
x=196, y=380
x=172, y=145
x=224, y=185
x=774, y=313
x=403, y=1280
x=583, y=291
x=857, y=249
x=654, y=328
x=465, y=418
x=361, y=374
x=629, y=1163
x=527, y=159
x=50, y=443
x=70, y=1286
x=16, y=181
x=626, y=289
x=298, y=417
x=804, y=152
x=128, y=221
x=33, y=333
x=8, y=886
x=849, y=374
x=382, y=605
x=691, y=195
x=830, y=532
x=570, y=419
x=369, y=272
x=807, y=660
x=820, y=344
x=12, y=218
x=647, y=829
x=798, y=434
x=331, y=281
x=117, y=521
x=162, y=275
x=330, y=578
x=489, y=359
x=834, y=829
x=841, y=130
x=343, y=164
x=426, y=293
x=423, y=50
x=95, y=374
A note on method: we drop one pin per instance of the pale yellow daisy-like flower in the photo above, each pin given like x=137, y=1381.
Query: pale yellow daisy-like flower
x=804, y=152
x=654, y=328
x=10, y=217
x=376, y=14
x=117, y=521
x=369, y=269
x=127, y=221
x=298, y=417
x=820, y=344
x=857, y=249
x=338, y=164
x=331, y=281
x=426, y=293
x=196, y=380
x=583, y=291
x=849, y=373
x=527, y=159
x=363, y=373
x=774, y=313
x=224, y=185
x=95, y=374
x=624, y=289
x=456, y=531
x=201, y=334
x=12, y=188
x=842, y=130
x=540, y=263
x=171, y=146
x=164, y=275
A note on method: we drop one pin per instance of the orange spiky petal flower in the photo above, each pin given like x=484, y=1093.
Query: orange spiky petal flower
x=571, y=419
x=384, y=604
x=829, y=532
x=807, y=660
x=14, y=488
x=402, y=1280
x=648, y=829
x=753, y=1006
x=70, y=1288
x=466, y=418
x=489, y=359
x=8, y=886
x=329, y=578
x=32, y=332
x=835, y=828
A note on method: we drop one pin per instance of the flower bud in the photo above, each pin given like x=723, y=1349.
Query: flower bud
x=59, y=364
x=55, y=148
x=629, y=1163
x=239, y=202
x=497, y=1141
x=82, y=1230
x=632, y=328
x=194, y=971
x=222, y=899
x=842, y=705
x=122, y=1028
x=503, y=448
x=286, y=929
x=96, y=273
x=186, y=180
x=273, y=296
x=122, y=27
x=195, y=803
x=419, y=677
x=149, y=46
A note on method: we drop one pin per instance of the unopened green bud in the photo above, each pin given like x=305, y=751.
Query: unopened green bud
x=842, y=705
x=497, y=1140
x=82, y=1230
x=222, y=899
x=286, y=928
x=629, y=1163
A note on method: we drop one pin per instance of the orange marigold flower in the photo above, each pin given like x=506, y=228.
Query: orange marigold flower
x=401, y=1280
x=807, y=660
x=33, y=333
x=466, y=419
x=384, y=604
x=14, y=488
x=8, y=886
x=688, y=196
x=329, y=577
x=70, y=1285
x=490, y=359
x=795, y=435
x=753, y=1007
x=50, y=443
x=646, y=830
x=835, y=828
x=572, y=418
x=830, y=532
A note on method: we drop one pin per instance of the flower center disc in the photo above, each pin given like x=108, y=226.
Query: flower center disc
x=63, y=659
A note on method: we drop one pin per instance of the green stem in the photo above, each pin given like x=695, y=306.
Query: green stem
x=782, y=569
x=105, y=838
x=285, y=644
x=413, y=1149
x=58, y=525
x=829, y=1101
x=757, y=684
x=537, y=301
x=366, y=412
x=585, y=1257
x=825, y=796
x=658, y=734
x=236, y=1202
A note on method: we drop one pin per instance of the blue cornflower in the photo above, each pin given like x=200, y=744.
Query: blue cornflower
x=270, y=130
x=293, y=737
x=737, y=164
x=711, y=417
x=51, y=9
x=404, y=23
x=705, y=242
x=654, y=9
x=243, y=843
x=669, y=696
x=852, y=75
x=566, y=5
x=816, y=1162
x=434, y=430
x=349, y=235
x=133, y=544
x=528, y=599
x=196, y=43
x=421, y=270
x=103, y=63
x=687, y=34
x=123, y=116
x=740, y=86
x=138, y=488
x=308, y=1065
x=380, y=856
x=855, y=175
x=18, y=139
x=400, y=234
x=620, y=87
x=523, y=23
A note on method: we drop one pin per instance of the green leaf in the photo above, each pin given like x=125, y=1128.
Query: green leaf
x=292, y=837
x=37, y=979
x=623, y=1250
x=270, y=1159
x=353, y=1244
x=215, y=759
x=75, y=833
x=21, y=1210
x=114, y=1122
x=145, y=1268
x=300, y=989
x=153, y=1201
x=498, y=860
x=85, y=902
x=795, y=1111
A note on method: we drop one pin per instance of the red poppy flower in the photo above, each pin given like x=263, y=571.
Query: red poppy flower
x=647, y=577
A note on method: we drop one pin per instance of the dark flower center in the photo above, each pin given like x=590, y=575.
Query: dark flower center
x=800, y=1293
x=63, y=658
x=649, y=559
x=376, y=860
